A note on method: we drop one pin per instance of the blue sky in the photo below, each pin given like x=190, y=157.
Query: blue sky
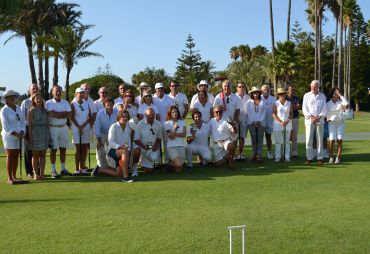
x=141, y=33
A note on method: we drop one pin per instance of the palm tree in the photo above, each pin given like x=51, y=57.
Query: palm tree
x=20, y=21
x=272, y=39
x=234, y=53
x=288, y=23
x=285, y=59
x=340, y=43
x=248, y=71
x=334, y=7
x=71, y=47
x=245, y=52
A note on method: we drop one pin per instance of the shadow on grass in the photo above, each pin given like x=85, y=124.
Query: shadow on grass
x=34, y=200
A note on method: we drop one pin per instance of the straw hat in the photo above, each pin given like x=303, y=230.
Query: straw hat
x=8, y=93
x=280, y=90
x=254, y=89
x=202, y=82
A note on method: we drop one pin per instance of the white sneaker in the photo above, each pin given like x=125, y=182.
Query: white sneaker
x=331, y=160
x=287, y=160
x=54, y=174
x=269, y=155
x=77, y=172
x=277, y=160
x=337, y=160
x=84, y=171
x=241, y=157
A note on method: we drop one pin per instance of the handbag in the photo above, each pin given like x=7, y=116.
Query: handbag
x=347, y=114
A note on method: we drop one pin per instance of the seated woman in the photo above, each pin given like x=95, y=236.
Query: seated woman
x=335, y=106
x=176, y=131
x=119, y=138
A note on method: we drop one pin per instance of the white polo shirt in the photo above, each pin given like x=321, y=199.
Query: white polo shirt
x=98, y=105
x=220, y=130
x=230, y=104
x=283, y=112
x=91, y=104
x=181, y=100
x=169, y=125
x=201, y=135
x=143, y=107
x=243, y=107
x=148, y=133
x=81, y=111
x=61, y=106
x=12, y=120
x=194, y=99
x=163, y=105
x=25, y=107
x=204, y=109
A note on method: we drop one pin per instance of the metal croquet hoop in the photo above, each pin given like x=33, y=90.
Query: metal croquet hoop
x=242, y=227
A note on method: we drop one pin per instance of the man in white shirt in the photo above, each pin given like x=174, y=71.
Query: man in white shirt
x=163, y=103
x=179, y=99
x=59, y=111
x=203, y=85
x=90, y=101
x=103, y=94
x=314, y=111
x=229, y=101
x=242, y=130
x=143, y=88
x=197, y=139
x=222, y=135
x=147, y=138
x=268, y=100
x=121, y=98
x=25, y=107
x=104, y=120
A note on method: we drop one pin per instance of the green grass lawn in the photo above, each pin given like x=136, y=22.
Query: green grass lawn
x=287, y=208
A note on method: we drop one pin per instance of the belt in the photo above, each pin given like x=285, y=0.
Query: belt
x=57, y=126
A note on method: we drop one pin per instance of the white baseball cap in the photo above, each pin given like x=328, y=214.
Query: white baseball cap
x=80, y=90
x=158, y=85
x=143, y=84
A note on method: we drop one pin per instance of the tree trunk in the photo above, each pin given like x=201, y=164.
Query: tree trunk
x=55, y=75
x=288, y=23
x=340, y=46
x=28, y=39
x=316, y=41
x=40, y=47
x=273, y=42
x=67, y=83
x=345, y=63
x=349, y=64
x=46, y=92
x=319, y=66
x=335, y=55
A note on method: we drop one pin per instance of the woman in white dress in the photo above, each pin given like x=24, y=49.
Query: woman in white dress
x=336, y=106
x=13, y=123
x=147, y=102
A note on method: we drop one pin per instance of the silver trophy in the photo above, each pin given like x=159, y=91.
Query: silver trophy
x=150, y=145
x=193, y=127
x=230, y=119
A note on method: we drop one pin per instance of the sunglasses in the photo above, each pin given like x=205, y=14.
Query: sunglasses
x=218, y=112
x=103, y=92
x=227, y=99
x=151, y=130
x=147, y=96
x=19, y=119
x=173, y=86
x=82, y=108
x=240, y=86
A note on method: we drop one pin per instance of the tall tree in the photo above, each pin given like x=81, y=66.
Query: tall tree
x=334, y=7
x=288, y=22
x=272, y=39
x=341, y=2
x=71, y=47
x=234, y=53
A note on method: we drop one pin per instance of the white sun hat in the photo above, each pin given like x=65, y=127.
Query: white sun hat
x=8, y=93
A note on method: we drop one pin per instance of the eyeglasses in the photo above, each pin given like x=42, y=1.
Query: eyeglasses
x=103, y=92
x=147, y=96
x=218, y=112
x=151, y=130
x=19, y=119
x=82, y=108
x=240, y=86
x=227, y=99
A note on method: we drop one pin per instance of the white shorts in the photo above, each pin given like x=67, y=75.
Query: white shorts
x=336, y=131
x=176, y=152
x=85, y=137
x=10, y=141
x=59, y=137
x=220, y=149
x=242, y=131
x=148, y=157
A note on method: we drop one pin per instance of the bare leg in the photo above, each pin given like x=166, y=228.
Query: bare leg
x=77, y=156
x=268, y=141
x=53, y=155
x=36, y=164
x=14, y=158
x=9, y=165
x=331, y=147
x=241, y=145
x=62, y=152
x=230, y=154
x=84, y=148
x=123, y=154
x=340, y=145
x=42, y=163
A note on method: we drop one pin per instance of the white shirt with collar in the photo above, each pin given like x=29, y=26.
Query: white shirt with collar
x=163, y=105
x=146, y=132
x=177, y=141
x=231, y=102
x=220, y=130
x=57, y=106
x=98, y=105
x=314, y=105
x=181, y=100
x=91, y=104
x=82, y=111
x=334, y=110
x=205, y=110
x=201, y=135
x=243, y=107
x=118, y=101
x=25, y=107
x=104, y=122
x=256, y=113
x=12, y=120
x=194, y=99
x=118, y=136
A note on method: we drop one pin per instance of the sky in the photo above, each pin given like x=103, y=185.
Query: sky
x=140, y=33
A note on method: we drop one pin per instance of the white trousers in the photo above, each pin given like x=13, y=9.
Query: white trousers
x=101, y=156
x=294, y=136
x=279, y=141
x=202, y=151
x=310, y=132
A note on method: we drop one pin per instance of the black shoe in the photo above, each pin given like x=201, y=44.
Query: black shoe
x=95, y=171
x=127, y=180
x=65, y=172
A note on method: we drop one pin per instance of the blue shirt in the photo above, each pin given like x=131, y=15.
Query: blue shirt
x=294, y=100
x=104, y=121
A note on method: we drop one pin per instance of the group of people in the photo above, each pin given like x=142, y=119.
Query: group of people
x=150, y=129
